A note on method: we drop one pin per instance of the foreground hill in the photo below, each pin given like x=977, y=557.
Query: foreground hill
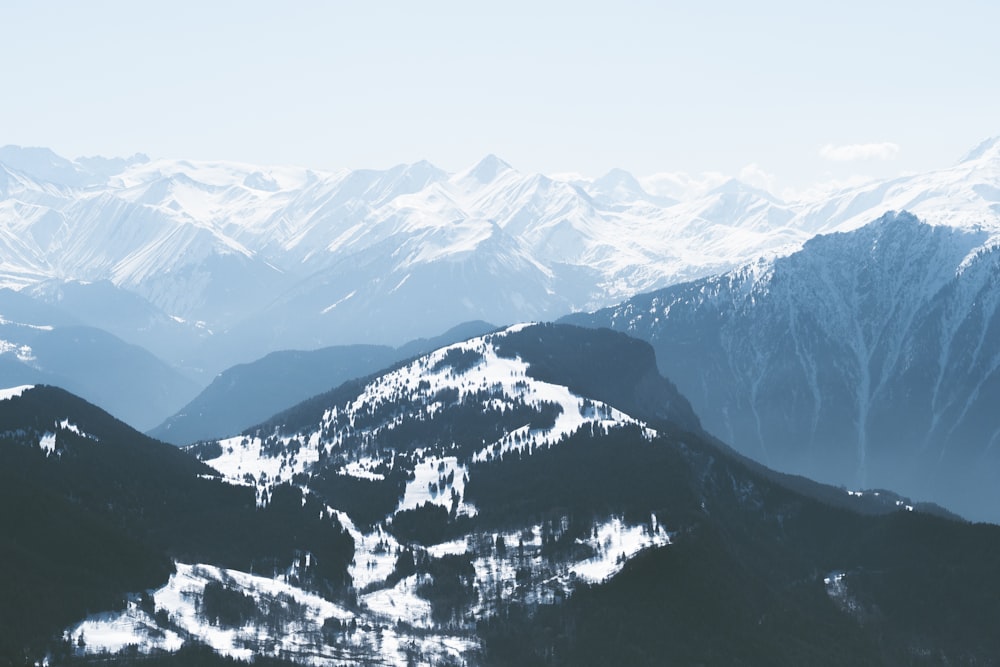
x=92, y=511
x=521, y=488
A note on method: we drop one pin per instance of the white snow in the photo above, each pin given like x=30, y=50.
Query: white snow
x=299, y=221
x=14, y=392
x=401, y=603
x=112, y=632
x=430, y=485
x=507, y=376
x=47, y=443
x=363, y=468
x=38, y=327
x=375, y=553
x=67, y=425
x=22, y=352
x=524, y=572
x=289, y=624
x=245, y=460
x=615, y=543
x=452, y=548
x=338, y=302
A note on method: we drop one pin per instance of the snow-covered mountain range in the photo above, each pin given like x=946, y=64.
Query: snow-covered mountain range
x=276, y=258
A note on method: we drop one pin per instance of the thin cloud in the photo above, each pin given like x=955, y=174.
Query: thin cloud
x=754, y=175
x=568, y=177
x=885, y=150
x=682, y=185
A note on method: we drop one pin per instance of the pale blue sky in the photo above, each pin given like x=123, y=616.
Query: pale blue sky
x=560, y=86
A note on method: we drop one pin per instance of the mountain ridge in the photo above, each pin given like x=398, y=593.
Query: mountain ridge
x=877, y=338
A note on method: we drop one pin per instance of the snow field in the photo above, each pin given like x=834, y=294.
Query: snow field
x=429, y=485
x=298, y=636
x=401, y=603
x=244, y=461
x=615, y=543
x=374, y=553
x=23, y=352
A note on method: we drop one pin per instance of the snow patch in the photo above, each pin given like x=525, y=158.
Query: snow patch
x=401, y=603
x=364, y=468
x=47, y=443
x=614, y=543
x=37, y=327
x=338, y=302
x=23, y=353
x=437, y=481
x=111, y=632
x=265, y=462
x=14, y=392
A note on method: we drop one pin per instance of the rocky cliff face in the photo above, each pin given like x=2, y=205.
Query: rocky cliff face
x=868, y=358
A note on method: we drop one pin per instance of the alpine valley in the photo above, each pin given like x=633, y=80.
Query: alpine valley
x=754, y=434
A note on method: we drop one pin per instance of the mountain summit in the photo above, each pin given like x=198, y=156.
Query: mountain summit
x=487, y=170
x=988, y=150
x=866, y=358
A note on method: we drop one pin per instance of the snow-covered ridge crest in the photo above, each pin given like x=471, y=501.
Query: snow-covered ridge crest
x=14, y=392
x=350, y=435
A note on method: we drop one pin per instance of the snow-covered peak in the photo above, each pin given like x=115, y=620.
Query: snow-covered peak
x=736, y=187
x=486, y=170
x=618, y=185
x=987, y=150
x=964, y=196
x=425, y=172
